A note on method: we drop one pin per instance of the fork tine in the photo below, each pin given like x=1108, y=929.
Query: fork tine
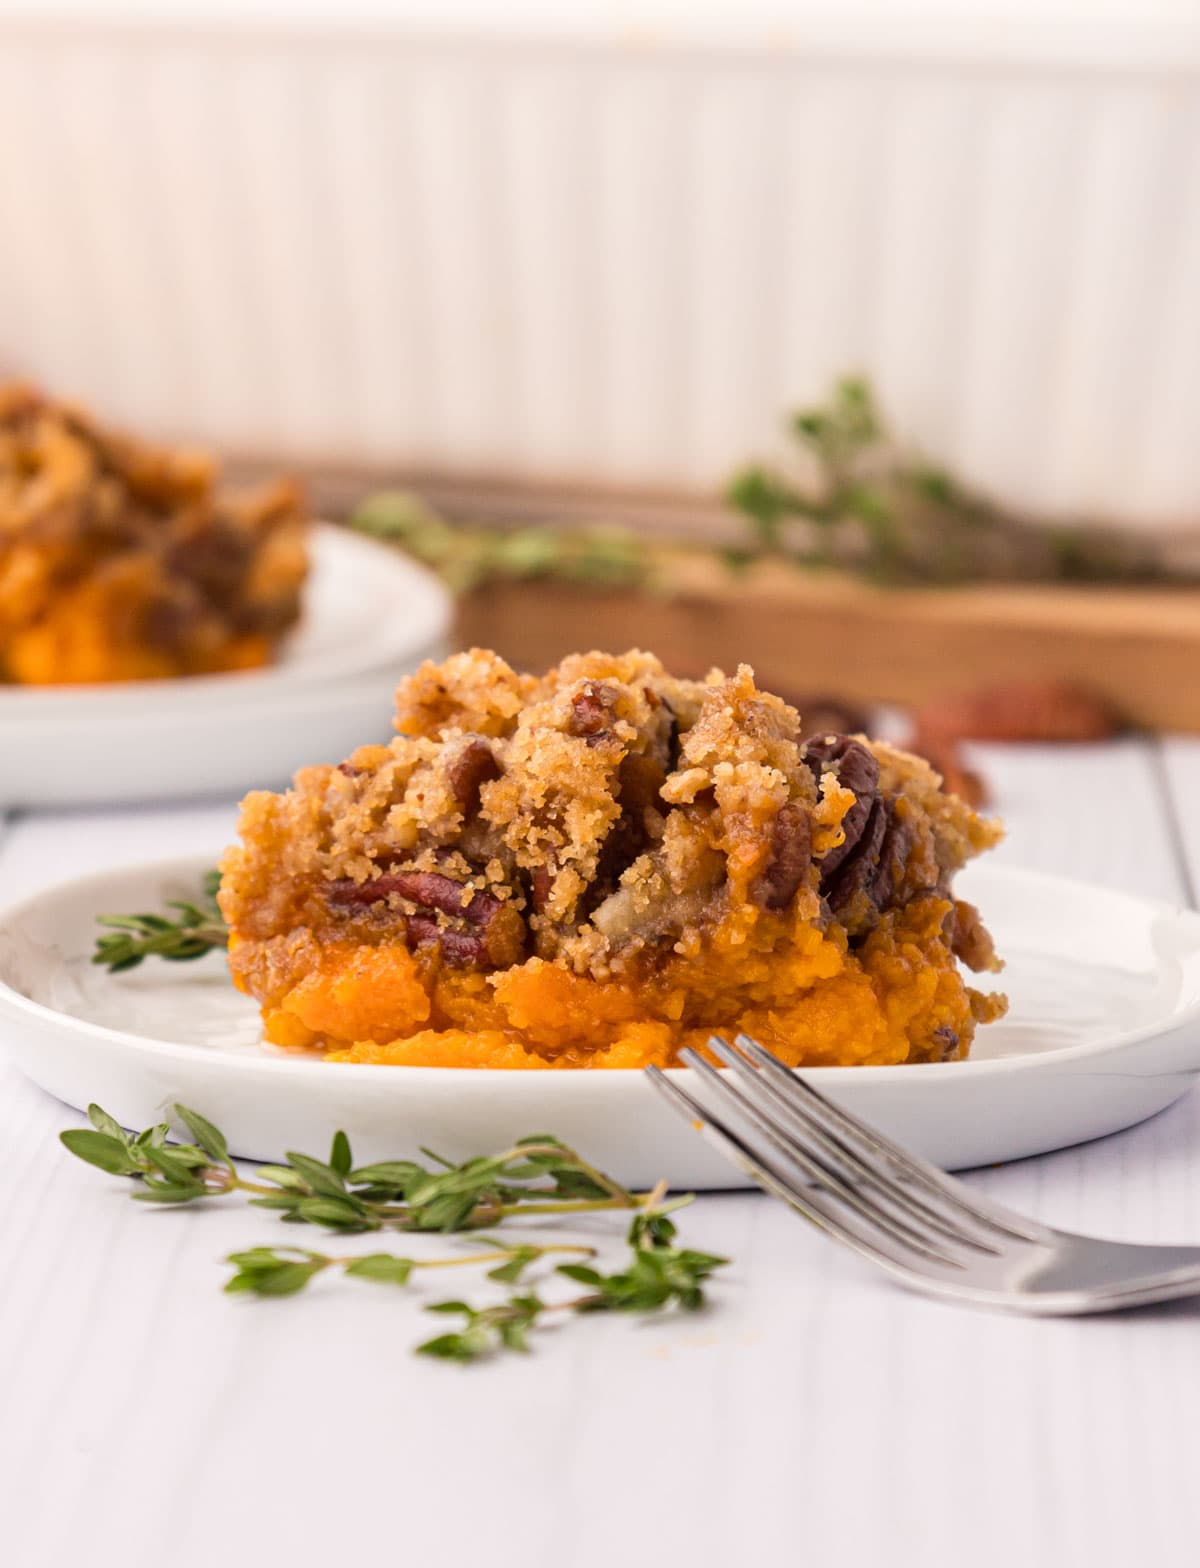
x=788, y=1149
x=797, y=1120
x=805, y=1200
x=868, y=1143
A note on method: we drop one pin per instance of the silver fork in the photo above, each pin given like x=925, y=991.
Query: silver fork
x=928, y=1230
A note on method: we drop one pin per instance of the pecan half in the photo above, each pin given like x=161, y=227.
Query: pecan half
x=857, y=874
x=592, y=709
x=432, y=890
x=894, y=852
x=791, y=852
x=491, y=933
x=640, y=777
x=461, y=949
x=856, y=769
x=539, y=887
x=468, y=770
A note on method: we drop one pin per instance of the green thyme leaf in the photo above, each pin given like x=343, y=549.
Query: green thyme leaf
x=206, y=1135
x=154, y=1191
x=282, y=1176
x=337, y=1213
x=448, y=1212
x=323, y=1179
x=382, y=1266
x=271, y=1271
x=340, y=1158
x=513, y=1334
x=101, y=1149
x=519, y=1259
x=388, y=1173
x=257, y=1258
x=651, y=1230
x=581, y=1273
x=173, y=1168
x=103, y=1122
x=284, y=1280
x=466, y=1346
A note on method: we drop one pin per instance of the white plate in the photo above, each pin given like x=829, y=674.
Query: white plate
x=1104, y=1031
x=370, y=614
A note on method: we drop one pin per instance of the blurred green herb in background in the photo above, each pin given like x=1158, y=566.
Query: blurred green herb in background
x=865, y=505
x=872, y=507
x=466, y=557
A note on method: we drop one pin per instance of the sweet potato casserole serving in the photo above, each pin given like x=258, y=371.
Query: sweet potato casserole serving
x=122, y=561
x=596, y=867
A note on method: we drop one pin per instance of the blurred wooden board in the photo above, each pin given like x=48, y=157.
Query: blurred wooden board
x=826, y=633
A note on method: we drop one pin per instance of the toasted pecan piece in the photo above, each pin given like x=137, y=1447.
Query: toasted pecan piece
x=790, y=857
x=469, y=769
x=489, y=934
x=857, y=872
x=856, y=769
x=592, y=710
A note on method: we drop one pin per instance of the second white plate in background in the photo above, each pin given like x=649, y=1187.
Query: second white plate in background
x=370, y=615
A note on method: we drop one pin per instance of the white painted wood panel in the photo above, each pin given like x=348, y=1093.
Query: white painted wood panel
x=618, y=251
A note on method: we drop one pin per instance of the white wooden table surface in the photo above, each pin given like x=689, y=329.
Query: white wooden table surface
x=816, y=1415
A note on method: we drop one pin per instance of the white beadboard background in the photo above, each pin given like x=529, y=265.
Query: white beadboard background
x=615, y=253
x=818, y=1416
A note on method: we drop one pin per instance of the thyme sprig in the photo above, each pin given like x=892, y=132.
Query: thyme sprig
x=465, y=557
x=197, y=928
x=536, y=1176
x=861, y=501
x=659, y=1275
x=868, y=505
x=282, y=1271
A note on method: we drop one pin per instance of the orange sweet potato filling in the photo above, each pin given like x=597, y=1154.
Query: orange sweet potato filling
x=776, y=976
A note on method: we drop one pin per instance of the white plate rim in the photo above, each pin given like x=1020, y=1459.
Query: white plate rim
x=283, y=1066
